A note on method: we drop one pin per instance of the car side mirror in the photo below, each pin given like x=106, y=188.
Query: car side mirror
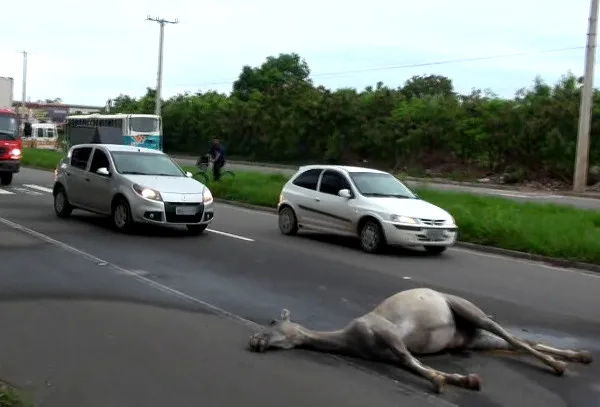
x=103, y=171
x=345, y=193
x=189, y=174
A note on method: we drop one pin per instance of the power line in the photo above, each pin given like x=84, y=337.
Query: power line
x=415, y=65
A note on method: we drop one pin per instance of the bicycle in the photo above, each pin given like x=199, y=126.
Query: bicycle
x=204, y=167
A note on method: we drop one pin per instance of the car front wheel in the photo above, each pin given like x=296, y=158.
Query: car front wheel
x=6, y=178
x=121, y=216
x=371, y=236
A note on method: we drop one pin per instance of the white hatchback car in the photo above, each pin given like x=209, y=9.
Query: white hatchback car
x=370, y=204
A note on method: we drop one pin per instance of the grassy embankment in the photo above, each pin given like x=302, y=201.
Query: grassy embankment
x=10, y=397
x=544, y=229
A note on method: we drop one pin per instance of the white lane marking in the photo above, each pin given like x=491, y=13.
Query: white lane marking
x=27, y=191
x=39, y=188
x=458, y=249
x=138, y=275
x=5, y=192
x=218, y=232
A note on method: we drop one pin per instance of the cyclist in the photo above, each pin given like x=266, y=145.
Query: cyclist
x=218, y=158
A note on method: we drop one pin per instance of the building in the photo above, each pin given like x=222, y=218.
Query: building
x=51, y=112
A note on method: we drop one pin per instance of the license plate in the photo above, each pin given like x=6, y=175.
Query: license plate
x=435, y=234
x=185, y=210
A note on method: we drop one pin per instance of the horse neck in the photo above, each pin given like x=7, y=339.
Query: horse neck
x=324, y=341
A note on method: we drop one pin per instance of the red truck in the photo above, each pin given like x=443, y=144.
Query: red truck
x=10, y=146
x=11, y=143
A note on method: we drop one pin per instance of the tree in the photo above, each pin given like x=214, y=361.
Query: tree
x=274, y=74
x=275, y=113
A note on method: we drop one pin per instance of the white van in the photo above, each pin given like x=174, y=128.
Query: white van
x=43, y=136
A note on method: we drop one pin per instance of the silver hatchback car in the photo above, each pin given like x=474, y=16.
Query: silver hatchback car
x=132, y=185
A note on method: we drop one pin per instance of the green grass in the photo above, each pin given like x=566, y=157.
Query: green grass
x=47, y=159
x=550, y=230
x=10, y=397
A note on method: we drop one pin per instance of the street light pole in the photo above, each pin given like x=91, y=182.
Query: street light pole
x=162, y=23
x=585, y=112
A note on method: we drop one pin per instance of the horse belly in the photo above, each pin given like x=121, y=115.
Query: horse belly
x=427, y=341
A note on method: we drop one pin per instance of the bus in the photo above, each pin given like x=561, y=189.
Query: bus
x=141, y=130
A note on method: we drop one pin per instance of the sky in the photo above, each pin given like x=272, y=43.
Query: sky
x=85, y=54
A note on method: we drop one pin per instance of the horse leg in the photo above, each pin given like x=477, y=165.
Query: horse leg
x=472, y=314
x=390, y=337
x=485, y=341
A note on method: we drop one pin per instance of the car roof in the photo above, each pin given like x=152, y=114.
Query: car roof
x=120, y=147
x=346, y=168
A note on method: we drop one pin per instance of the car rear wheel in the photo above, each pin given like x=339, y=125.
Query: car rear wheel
x=121, y=216
x=6, y=178
x=62, y=207
x=371, y=236
x=196, y=229
x=435, y=249
x=288, y=224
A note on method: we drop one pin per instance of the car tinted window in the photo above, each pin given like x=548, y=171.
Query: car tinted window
x=332, y=182
x=308, y=179
x=80, y=157
x=99, y=160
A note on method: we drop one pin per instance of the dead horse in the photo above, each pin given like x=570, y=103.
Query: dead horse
x=417, y=321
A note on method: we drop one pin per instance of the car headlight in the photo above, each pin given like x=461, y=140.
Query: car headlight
x=15, y=153
x=207, y=196
x=147, y=193
x=403, y=219
x=451, y=221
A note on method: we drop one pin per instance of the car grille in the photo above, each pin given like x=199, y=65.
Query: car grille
x=432, y=222
x=172, y=217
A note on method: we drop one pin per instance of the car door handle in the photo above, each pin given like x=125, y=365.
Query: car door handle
x=317, y=199
x=87, y=179
x=68, y=174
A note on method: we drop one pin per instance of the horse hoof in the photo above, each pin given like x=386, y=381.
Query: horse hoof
x=473, y=382
x=585, y=357
x=559, y=367
x=438, y=383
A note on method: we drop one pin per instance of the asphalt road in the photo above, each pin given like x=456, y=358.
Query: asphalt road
x=94, y=316
x=538, y=197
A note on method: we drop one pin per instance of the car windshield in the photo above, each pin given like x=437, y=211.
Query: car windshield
x=131, y=162
x=374, y=184
x=8, y=128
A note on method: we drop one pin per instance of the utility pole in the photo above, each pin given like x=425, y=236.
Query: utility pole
x=162, y=23
x=24, y=81
x=585, y=112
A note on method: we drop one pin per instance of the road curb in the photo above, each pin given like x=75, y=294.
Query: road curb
x=553, y=261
